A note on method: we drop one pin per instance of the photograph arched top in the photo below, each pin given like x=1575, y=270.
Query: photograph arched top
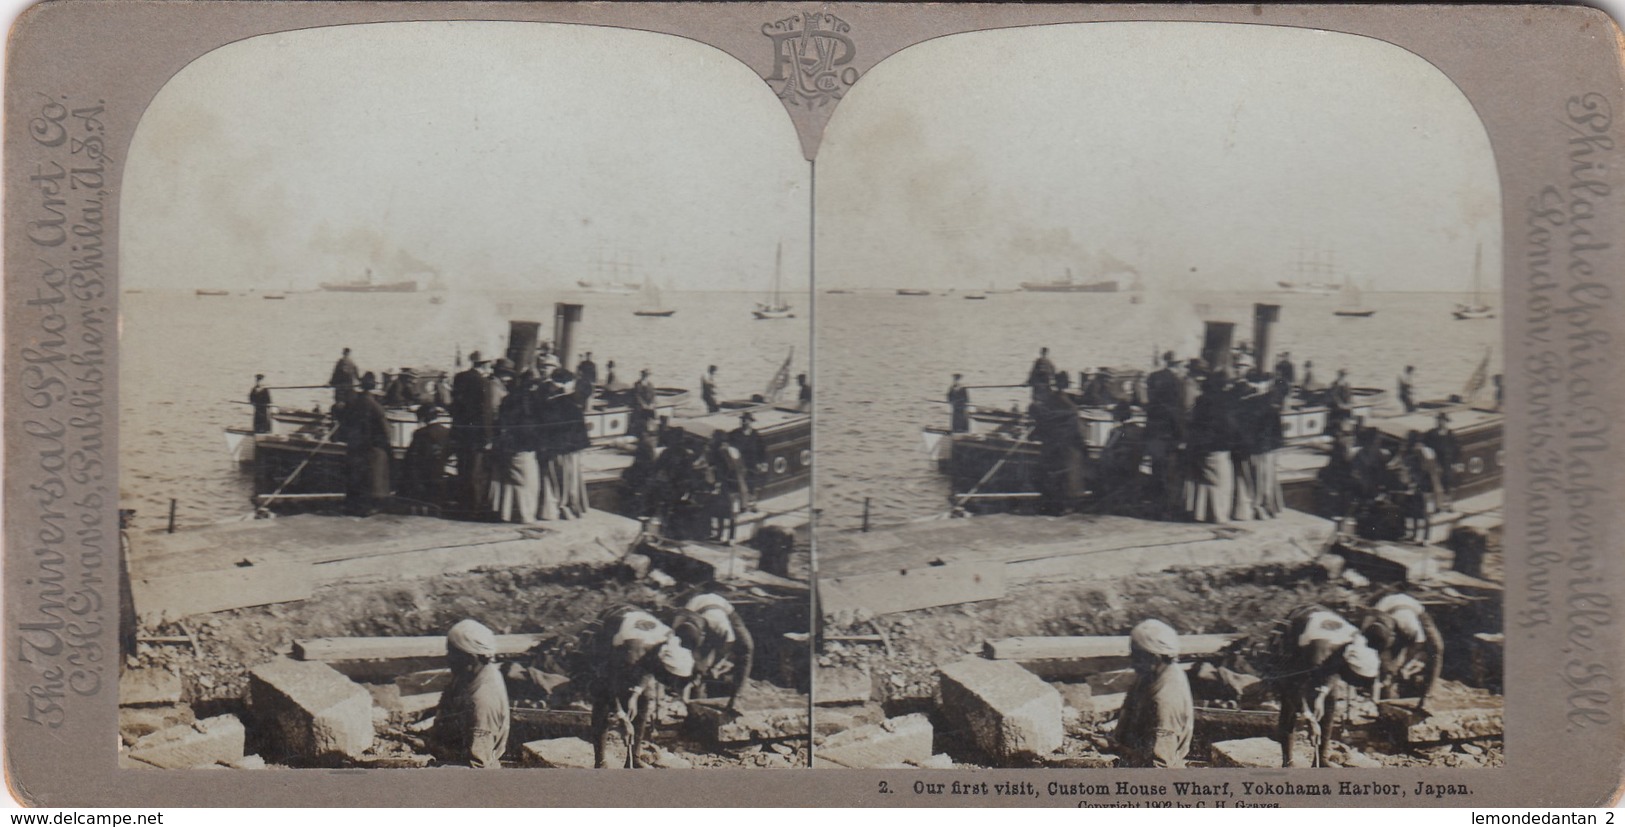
x=496, y=154
x=1201, y=155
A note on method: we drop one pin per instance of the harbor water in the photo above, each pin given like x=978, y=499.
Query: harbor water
x=188, y=361
x=884, y=363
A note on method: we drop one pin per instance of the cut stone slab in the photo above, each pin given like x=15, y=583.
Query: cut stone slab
x=248, y=762
x=312, y=710
x=940, y=761
x=204, y=743
x=1102, y=707
x=1443, y=726
x=135, y=722
x=143, y=687
x=1258, y=752
x=841, y=686
x=560, y=753
x=1008, y=710
x=711, y=720
x=1075, y=695
x=895, y=740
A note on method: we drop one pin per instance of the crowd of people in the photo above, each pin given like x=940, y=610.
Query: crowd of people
x=632, y=655
x=515, y=435
x=1313, y=660
x=1206, y=447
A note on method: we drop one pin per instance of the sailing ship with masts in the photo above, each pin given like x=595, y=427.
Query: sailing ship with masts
x=775, y=307
x=1353, y=302
x=1477, y=308
x=367, y=285
x=652, y=305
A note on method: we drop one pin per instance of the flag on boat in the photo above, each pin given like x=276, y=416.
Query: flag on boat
x=781, y=379
x=1480, y=378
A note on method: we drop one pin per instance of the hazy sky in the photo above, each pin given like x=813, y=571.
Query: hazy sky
x=497, y=154
x=1115, y=148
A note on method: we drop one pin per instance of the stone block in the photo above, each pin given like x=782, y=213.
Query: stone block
x=561, y=753
x=1259, y=752
x=311, y=710
x=1103, y=707
x=841, y=686
x=1444, y=726
x=1006, y=709
x=137, y=721
x=203, y=743
x=142, y=687
x=940, y=761
x=896, y=740
x=712, y=721
x=1075, y=695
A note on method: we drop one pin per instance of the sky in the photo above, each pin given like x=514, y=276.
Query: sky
x=491, y=155
x=1205, y=156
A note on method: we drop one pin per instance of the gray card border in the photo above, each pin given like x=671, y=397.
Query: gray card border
x=1545, y=80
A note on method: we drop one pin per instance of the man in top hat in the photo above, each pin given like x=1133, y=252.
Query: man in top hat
x=644, y=397
x=1446, y=454
x=752, y=457
x=472, y=419
x=586, y=379
x=1166, y=421
x=260, y=397
x=1158, y=717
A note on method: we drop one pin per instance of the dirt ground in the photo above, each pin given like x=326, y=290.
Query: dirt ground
x=1248, y=601
x=558, y=601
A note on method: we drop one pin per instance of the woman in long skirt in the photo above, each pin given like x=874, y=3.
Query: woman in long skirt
x=515, y=476
x=564, y=437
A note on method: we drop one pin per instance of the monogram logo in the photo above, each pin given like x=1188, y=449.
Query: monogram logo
x=810, y=56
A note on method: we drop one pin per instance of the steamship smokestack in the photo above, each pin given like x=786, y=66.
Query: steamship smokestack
x=1264, y=318
x=565, y=318
x=522, y=339
x=1216, y=340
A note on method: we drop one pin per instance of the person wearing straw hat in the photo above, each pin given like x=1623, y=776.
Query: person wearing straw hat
x=634, y=656
x=1317, y=655
x=1158, y=717
x=471, y=722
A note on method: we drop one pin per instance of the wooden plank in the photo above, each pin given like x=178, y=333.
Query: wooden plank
x=175, y=596
x=902, y=590
x=552, y=720
x=330, y=649
x=1094, y=646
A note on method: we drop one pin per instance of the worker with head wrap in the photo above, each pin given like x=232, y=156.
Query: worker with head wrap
x=634, y=654
x=1316, y=654
x=1155, y=726
x=1401, y=631
x=710, y=627
x=471, y=723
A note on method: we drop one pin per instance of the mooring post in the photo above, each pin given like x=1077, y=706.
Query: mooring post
x=171, y=515
x=866, y=515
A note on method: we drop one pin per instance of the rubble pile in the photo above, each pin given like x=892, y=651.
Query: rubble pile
x=974, y=673
x=254, y=687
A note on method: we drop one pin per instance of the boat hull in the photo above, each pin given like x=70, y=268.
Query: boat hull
x=657, y=314
x=1064, y=287
x=364, y=287
x=1355, y=314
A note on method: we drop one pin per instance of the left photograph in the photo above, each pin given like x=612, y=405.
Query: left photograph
x=464, y=411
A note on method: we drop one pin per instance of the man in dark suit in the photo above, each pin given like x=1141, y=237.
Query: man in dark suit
x=472, y=420
x=424, y=474
x=365, y=429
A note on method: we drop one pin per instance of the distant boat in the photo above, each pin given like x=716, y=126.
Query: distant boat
x=1478, y=309
x=437, y=300
x=1352, y=307
x=913, y=292
x=1319, y=264
x=616, y=287
x=1069, y=285
x=213, y=292
x=273, y=296
x=775, y=307
x=974, y=296
x=652, y=306
x=367, y=285
x=837, y=291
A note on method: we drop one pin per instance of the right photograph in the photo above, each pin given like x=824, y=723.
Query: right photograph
x=1159, y=416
